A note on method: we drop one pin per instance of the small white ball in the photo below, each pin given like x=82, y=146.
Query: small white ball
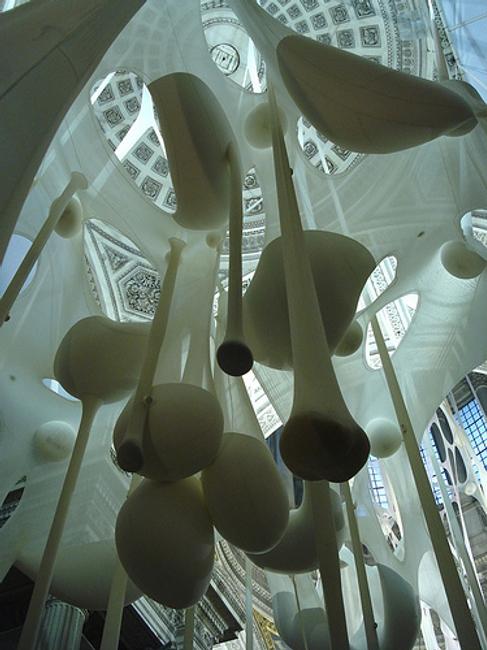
x=461, y=262
x=71, y=220
x=257, y=126
x=385, y=437
x=54, y=440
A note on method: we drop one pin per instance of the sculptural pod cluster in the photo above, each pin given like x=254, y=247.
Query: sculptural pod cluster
x=297, y=310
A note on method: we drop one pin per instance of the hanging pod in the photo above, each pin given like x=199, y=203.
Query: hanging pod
x=243, y=488
x=181, y=434
x=245, y=494
x=165, y=541
x=233, y=355
x=296, y=551
x=303, y=624
x=173, y=430
x=321, y=440
x=98, y=361
x=129, y=434
x=358, y=104
x=196, y=134
x=340, y=267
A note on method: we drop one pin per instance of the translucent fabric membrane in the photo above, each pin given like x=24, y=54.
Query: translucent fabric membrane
x=95, y=296
x=16, y=251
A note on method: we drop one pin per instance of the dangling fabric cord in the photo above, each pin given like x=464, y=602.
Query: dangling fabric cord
x=189, y=617
x=363, y=585
x=249, y=617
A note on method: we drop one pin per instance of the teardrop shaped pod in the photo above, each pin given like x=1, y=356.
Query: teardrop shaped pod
x=196, y=133
x=245, y=495
x=100, y=357
x=165, y=541
x=340, y=267
x=296, y=550
x=321, y=440
x=359, y=104
x=364, y=106
x=182, y=432
x=233, y=355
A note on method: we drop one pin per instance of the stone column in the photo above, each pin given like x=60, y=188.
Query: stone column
x=61, y=626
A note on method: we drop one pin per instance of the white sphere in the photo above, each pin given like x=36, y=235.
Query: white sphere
x=461, y=262
x=214, y=238
x=71, y=220
x=165, y=541
x=182, y=433
x=245, y=494
x=470, y=488
x=385, y=437
x=100, y=357
x=351, y=341
x=54, y=440
x=257, y=126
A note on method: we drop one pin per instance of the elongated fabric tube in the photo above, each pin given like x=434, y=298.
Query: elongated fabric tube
x=233, y=355
x=54, y=46
x=113, y=618
x=298, y=605
x=197, y=369
x=76, y=182
x=363, y=585
x=249, y=618
x=130, y=455
x=319, y=411
x=329, y=564
x=116, y=599
x=30, y=630
x=310, y=348
x=479, y=608
x=189, y=617
x=462, y=617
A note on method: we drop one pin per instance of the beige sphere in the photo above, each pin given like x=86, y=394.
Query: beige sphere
x=385, y=437
x=165, y=541
x=245, y=494
x=101, y=358
x=257, y=126
x=182, y=433
x=71, y=220
x=54, y=440
x=82, y=575
x=351, y=341
x=461, y=262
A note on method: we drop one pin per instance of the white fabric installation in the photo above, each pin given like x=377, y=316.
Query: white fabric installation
x=369, y=177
